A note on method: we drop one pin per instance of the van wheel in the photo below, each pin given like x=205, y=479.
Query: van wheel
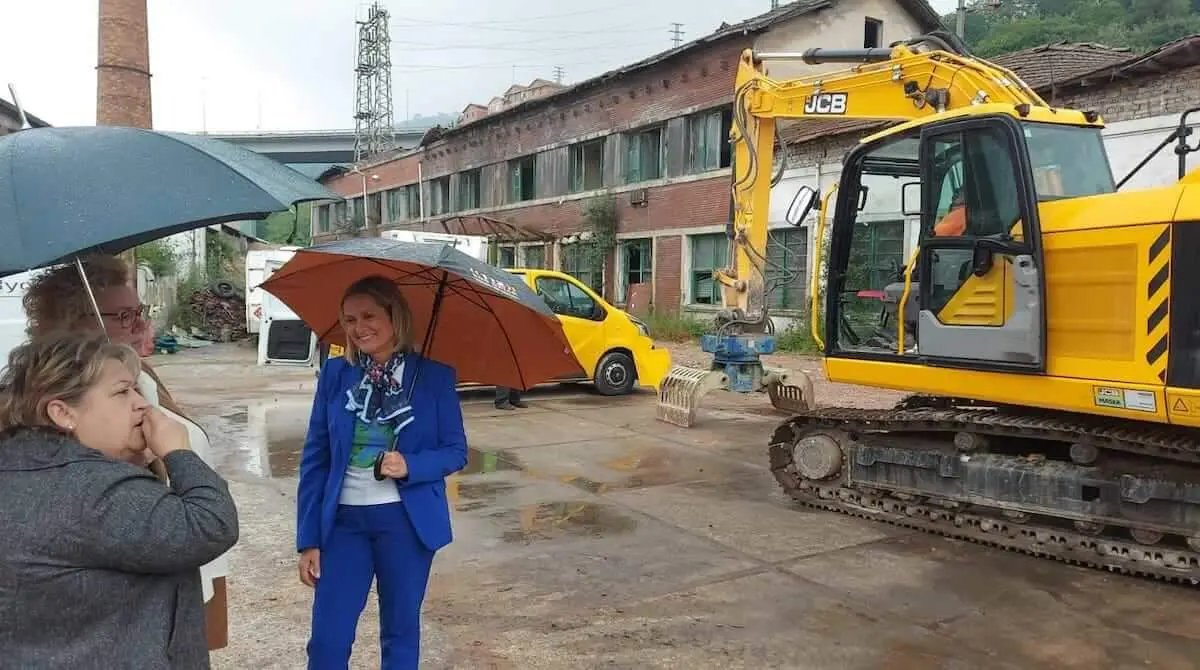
x=615, y=375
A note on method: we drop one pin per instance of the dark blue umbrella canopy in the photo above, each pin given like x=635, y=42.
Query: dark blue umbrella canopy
x=67, y=191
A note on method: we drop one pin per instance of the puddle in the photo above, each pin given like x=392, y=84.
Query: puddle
x=482, y=462
x=550, y=520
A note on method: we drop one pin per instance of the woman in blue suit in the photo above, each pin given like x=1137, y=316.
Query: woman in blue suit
x=352, y=526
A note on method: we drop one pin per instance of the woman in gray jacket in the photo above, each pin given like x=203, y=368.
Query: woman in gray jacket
x=99, y=565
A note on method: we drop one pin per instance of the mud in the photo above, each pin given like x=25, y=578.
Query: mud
x=588, y=534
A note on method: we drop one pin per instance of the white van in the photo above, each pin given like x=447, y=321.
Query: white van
x=12, y=312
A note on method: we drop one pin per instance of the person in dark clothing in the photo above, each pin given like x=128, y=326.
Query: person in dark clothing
x=100, y=563
x=507, y=398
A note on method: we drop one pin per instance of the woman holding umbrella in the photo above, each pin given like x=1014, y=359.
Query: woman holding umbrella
x=372, y=492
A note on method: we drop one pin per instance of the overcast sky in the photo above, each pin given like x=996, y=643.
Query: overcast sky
x=289, y=64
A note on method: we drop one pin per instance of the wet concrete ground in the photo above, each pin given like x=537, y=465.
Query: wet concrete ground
x=589, y=535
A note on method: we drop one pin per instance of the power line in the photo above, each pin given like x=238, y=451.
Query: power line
x=406, y=45
x=677, y=33
x=525, y=19
x=548, y=31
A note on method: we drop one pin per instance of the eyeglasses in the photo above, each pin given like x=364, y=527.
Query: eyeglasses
x=130, y=315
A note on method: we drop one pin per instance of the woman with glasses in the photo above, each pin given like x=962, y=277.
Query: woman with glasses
x=57, y=300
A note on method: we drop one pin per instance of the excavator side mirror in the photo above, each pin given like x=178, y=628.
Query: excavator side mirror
x=910, y=198
x=802, y=205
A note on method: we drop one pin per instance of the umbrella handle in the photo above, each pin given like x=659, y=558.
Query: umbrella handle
x=379, y=476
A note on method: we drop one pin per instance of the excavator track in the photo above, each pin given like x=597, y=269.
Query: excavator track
x=1006, y=477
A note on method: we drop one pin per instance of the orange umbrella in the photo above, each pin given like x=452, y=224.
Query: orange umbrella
x=483, y=321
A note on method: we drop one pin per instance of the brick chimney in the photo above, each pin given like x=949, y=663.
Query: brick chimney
x=123, y=68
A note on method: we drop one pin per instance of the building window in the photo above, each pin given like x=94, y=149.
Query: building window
x=468, y=189
x=579, y=262
x=636, y=264
x=535, y=256
x=521, y=175
x=708, y=254
x=876, y=254
x=412, y=194
x=396, y=201
x=439, y=196
x=323, y=219
x=787, y=267
x=708, y=140
x=506, y=256
x=587, y=166
x=872, y=33
x=357, y=213
x=643, y=155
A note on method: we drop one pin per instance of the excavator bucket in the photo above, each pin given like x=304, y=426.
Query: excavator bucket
x=791, y=391
x=681, y=390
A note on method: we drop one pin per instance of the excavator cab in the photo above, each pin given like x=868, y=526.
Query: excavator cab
x=973, y=299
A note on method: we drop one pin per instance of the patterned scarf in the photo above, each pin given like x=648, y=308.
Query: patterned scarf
x=377, y=398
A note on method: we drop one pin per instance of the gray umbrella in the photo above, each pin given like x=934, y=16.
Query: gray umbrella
x=68, y=191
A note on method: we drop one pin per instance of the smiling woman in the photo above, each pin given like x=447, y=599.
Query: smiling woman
x=386, y=429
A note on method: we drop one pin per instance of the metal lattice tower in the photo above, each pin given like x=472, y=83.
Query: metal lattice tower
x=373, y=131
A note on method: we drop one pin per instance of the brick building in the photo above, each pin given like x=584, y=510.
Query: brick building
x=650, y=136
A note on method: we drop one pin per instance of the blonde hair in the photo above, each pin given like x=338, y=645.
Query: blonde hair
x=60, y=366
x=58, y=300
x=387, y=295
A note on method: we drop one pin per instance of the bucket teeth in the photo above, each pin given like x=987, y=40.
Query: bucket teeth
x=681, y=391
x=791, y=391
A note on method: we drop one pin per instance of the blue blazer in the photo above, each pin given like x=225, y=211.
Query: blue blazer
x=434, y=446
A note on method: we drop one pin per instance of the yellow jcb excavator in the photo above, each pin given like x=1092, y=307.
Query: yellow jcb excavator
x=1046, y=325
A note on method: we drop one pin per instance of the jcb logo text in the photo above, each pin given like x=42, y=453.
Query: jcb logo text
x=825, y=103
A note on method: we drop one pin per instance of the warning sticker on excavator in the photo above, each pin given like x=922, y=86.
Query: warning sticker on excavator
x=1180, y=406
x=1116, y=398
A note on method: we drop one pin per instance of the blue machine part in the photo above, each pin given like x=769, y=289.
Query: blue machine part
x=738, y=356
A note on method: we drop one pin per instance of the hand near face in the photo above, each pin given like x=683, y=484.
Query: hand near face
x=163, y=434
x=394, y=465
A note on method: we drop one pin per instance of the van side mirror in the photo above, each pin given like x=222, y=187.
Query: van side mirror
x=910, y=198
x=802, y=205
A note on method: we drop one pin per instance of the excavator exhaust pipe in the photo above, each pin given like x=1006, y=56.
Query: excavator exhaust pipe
x=680, y=392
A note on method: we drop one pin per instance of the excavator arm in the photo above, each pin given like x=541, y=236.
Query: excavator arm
x=931, y=74
x=905, y=82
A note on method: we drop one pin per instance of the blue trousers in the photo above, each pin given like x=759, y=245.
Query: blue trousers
x=369, y=541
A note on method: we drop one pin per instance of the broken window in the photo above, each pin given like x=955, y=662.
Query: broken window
x=521, y=174
x=636, y=264
x=644, y=155
x=708, y=254
x=468, y=189
x=535, y=256
x=439, y=195
x=872, y=33
x=708, y=140
x=587, y=166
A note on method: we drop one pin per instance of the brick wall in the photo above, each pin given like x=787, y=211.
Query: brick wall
x=1139, y=97
x=123, y=66
x=668, y=265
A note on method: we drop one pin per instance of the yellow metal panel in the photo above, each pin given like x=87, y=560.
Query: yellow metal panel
x=1188, y=208
x=1105, y=303
x=1142, y=402
x=1184, y=406
x=981, y=301
x=1111, y=210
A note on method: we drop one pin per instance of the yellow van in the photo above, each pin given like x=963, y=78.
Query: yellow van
x=613, y=347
